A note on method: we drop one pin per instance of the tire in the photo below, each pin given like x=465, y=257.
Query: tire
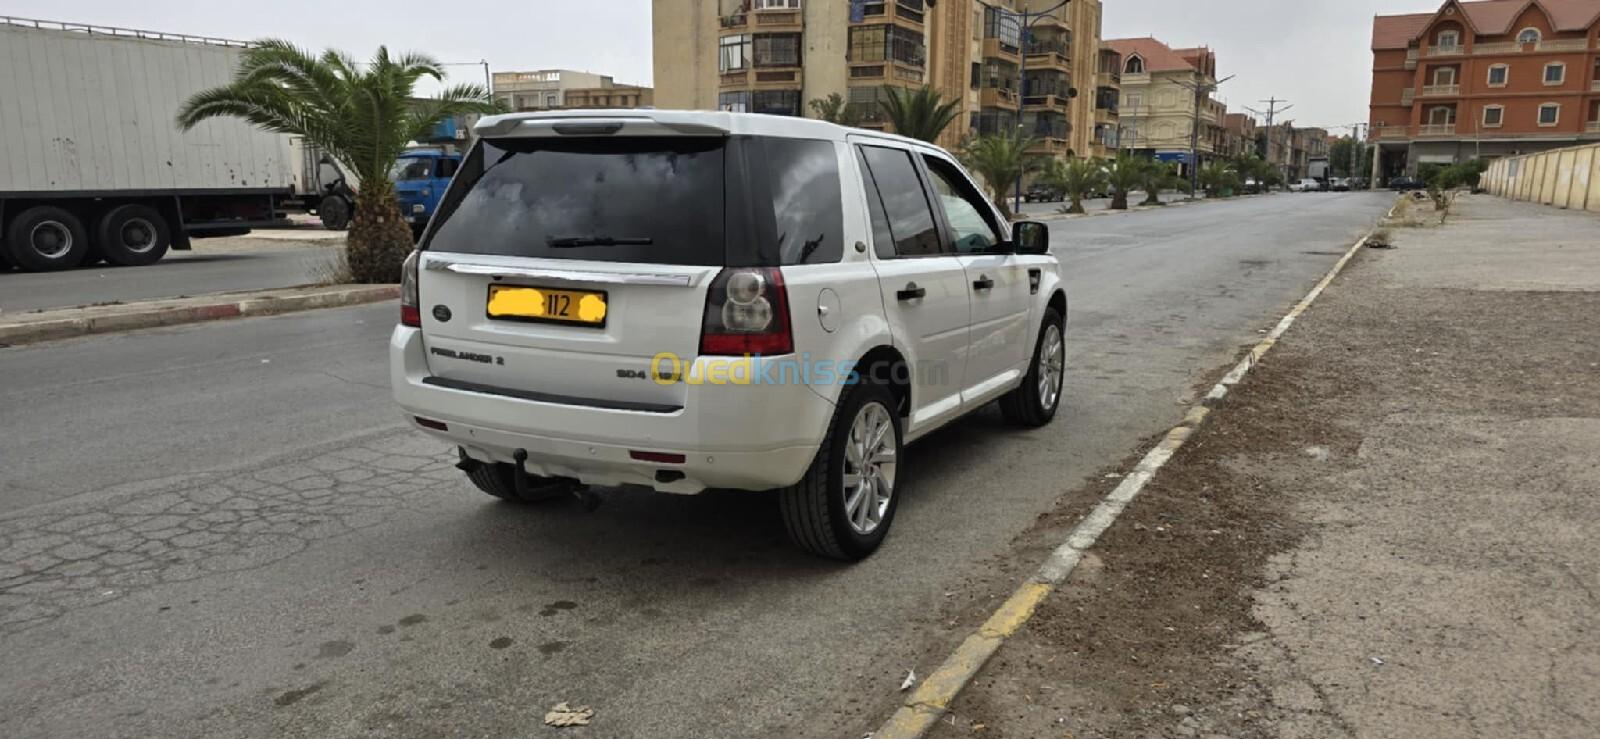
x=45, y=238
x=497, y=480
x=815, y=511
x=133, y=236
x=334, y=212
x=1034, y=403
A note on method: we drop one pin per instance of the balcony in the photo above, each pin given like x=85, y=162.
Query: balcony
x=1437, y=129
x=1512, y=47
x=1049, y=146
x=1394, y=132
x=778, y=20
x=1439, y=91
x=1108, y=79
x=1594, y=86
x=994, y=48
x=1434, y=51
x=1048, y=101
x=1411, y=58
x=998, y=97
x=740, y=78
x=1044, y=56
x=1591, y=127
x=1407, y=96
x=738, y=20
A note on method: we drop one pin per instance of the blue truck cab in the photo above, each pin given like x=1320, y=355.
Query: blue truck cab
x=420, y=179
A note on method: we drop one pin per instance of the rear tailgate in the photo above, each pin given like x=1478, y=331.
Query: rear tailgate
x=560, y=265
x=649, y=310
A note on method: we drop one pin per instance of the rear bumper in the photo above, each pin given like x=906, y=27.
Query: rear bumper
x=750, y=437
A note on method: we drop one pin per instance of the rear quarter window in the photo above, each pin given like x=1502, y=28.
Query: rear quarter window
x=807, y=206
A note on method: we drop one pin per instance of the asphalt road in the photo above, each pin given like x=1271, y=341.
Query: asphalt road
x=236, y=536
x=215, y=265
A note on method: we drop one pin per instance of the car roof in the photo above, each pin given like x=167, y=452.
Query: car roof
x=689, y=122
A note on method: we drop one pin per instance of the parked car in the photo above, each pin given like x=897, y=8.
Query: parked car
x=1339, y=184
x=1042, y=193
x=572, y=317
x=1400, y=184
x=1305, y=185
x=1252, y=186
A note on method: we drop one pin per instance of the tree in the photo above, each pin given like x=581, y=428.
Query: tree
x=1077, y=178
x=1156, y=177
x=362, y=115
x=1217, y=177
x=1001, y=160
x=1122, y=175
x=921, y=113
x=834, y=109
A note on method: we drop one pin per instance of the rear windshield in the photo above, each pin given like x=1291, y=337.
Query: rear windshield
x=739, y=201
x=615, y=199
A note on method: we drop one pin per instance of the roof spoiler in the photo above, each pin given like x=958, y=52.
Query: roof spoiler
x=592, y=123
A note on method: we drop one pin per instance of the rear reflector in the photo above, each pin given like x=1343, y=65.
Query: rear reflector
x=429, y=423
x=658, y=457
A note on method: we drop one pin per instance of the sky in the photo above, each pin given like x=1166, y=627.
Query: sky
x=1314, y=53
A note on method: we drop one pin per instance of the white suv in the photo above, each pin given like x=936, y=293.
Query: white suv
x=692, y=300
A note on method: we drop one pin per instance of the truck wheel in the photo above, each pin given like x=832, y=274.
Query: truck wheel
x=134, y=236
x=1033, y=404
x=46, y=238
x=335, y=213
x=845, y=504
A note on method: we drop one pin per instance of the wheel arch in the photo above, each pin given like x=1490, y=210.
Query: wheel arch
x=886, y=364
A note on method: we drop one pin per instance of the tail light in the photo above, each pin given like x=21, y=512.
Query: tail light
x=410, y=299
x=747, y=312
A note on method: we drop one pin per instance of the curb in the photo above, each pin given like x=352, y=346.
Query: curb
x=172, y=315
x=923, y=709
x=1103, y=212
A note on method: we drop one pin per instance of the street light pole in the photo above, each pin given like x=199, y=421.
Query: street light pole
x=1024, y=24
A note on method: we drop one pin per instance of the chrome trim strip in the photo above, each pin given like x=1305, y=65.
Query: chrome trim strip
x=565, y=275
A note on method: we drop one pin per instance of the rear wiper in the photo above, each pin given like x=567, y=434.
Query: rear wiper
x=572, y=242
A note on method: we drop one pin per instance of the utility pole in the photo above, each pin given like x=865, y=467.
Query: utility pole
x=1272, y=114
x=1026, y=21
x=1202, y=91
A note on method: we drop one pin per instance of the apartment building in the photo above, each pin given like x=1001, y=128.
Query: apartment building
x=555, y=89
x=1483, y=79
x=1160, y=103
x=1239, y=134
x=775, y=56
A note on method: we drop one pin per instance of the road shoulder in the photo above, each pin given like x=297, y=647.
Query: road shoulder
x=1380, y=533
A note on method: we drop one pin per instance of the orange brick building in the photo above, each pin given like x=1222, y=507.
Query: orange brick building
x=1483, y=79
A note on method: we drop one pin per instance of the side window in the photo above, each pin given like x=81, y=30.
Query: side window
x=966, y=210
x=807, y=206
x=882, y=235
x=447, y=168
x=910, y=216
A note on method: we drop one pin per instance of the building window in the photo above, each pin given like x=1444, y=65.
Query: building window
x=886, y=43
x=734, y=54
x=1529, y=36
x=1498, y=75
x=734, y=102
x=977, y=75
x=1493, y=116
x=1135, y=65
x=1549, y=114
x=776, y=5
x=911, y=10
x=777, y=50
x=1449, y=38
x=1441, y=116
x=1133, y=100
x=776, y=102
x=1555, y=73
x=1444, y=76
x=1002, y=25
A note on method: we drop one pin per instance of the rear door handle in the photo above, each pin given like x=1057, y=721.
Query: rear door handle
x=983, y=283
x=912, y=292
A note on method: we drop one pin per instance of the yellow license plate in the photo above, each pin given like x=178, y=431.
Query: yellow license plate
x=541, y=304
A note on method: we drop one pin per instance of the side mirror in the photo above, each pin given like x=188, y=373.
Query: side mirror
x=1030, y=237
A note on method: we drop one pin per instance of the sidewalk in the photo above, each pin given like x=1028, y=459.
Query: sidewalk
x=1388, y=529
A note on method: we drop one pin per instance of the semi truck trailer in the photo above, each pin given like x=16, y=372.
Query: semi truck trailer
x=92, y=165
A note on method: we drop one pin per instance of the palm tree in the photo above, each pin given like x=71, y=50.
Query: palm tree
x=1158, y=177
x=1218, y=177
x=1001, y=160
x=362, y=115
x=1077, y=178
x=1123, y=174
x=834, y=109
x=920, y=114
